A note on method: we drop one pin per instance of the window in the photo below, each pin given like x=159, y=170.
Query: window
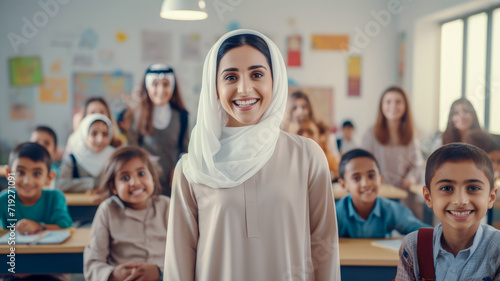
x=470, y=66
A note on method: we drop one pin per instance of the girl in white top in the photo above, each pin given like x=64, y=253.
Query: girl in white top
x=91, y=147
x=249, y=202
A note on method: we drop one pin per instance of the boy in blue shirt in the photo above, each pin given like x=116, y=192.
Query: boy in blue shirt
x=362, y=214
x=47, y=138
x=459, y=189
x=35, y=209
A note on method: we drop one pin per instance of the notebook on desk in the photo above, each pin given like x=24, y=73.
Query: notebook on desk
x=392, y=244
x=44, y=237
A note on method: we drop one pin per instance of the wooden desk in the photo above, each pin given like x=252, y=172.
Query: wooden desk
x=385, y=190
x=81, y=206
x=360, y=260
x=59, y=258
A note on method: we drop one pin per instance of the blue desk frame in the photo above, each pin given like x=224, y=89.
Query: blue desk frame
x=44, y=263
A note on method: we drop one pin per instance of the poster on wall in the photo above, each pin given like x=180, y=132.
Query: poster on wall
x=190, y=47
x=294, y=49
x=25, y=71
x=22, y=103
x=111, y=86
x=156, y=46
x=54, y=90
x=322, y=102
x=330, y=42
x=354, y=76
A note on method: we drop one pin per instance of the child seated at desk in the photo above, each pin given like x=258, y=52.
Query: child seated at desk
x=129, y=230
x=459, y=189
x=362, y=214
x=47, y=138
x=90, y=150
x=35, y=209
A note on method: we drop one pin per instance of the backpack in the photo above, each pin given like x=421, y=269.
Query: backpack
x=424, y=253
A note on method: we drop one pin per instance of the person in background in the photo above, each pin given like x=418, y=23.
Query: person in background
x=391, y=140
x=93, y=105
x=461, y=120
x=333, y=161
x=490, y=145
x=346, y=142
x=362, y=214
x=114, y=251
x=301, y=116
x=47, y=138
x=161, y=123
x=91, y=149
x=124, y=121
x=35, y=208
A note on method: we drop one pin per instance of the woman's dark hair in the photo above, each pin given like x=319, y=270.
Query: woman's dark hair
x=405, y=131
x=241, y=40
x=145, y=111
x=451, y=134
x=297, y=96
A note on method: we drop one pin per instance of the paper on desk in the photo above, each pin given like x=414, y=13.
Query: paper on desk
x=53, y=237
x=392, y=244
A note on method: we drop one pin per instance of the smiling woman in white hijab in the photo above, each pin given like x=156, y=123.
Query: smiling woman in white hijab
x=249, y=202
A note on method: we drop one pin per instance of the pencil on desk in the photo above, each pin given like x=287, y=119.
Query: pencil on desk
x=40, y=236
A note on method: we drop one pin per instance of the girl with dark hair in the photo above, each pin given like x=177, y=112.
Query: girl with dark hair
x=114, y=251
x=161, y=123
x=461, y=120
x=393, y=144
x=245, y=186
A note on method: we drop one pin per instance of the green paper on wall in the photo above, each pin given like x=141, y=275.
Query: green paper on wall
x=25, y=71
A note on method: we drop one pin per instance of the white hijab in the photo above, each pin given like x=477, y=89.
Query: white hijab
x=224, y=157
x=89, y=160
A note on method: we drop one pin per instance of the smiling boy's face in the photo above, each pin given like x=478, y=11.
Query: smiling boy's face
x=362, y=179
x=31, y=177
x=459, y=195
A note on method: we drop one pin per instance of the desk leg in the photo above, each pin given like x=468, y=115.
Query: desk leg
x=44, y=263
x=372, y=273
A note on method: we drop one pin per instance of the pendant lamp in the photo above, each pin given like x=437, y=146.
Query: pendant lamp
x=183, y=10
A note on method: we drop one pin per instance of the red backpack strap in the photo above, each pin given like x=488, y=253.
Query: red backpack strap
x=424, y=253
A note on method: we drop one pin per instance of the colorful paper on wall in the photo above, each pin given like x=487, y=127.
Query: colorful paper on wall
x=294, y=48
x=121, y=37
x=88, y=39
x=330, y=42
x=354, y=76
x=108, y=85
x=156, y=46
x=190, y=49
x=54, y=90
x=22, y=103
x=25, y=71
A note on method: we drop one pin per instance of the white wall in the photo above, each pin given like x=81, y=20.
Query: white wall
x=274, y=18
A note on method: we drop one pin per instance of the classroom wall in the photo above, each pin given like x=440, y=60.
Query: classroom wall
x=420, y=20
x=277, y=19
